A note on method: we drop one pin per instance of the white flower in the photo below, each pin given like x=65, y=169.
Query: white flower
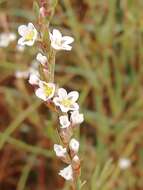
x=74, y=145
x=124, y=163
x=6, y=38
x=66, y=101
x=64, y=121
x=76, y=117
x=67, y=173
x=33, y=79
x=28, y=34
x=41, y=58
x=22, y=74
x=45, y=91
x=59, y=42
x=59, y=150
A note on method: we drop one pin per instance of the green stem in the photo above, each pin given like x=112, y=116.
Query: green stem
x=25, y=173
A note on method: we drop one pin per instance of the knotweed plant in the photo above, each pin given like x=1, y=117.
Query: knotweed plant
x=64, y=103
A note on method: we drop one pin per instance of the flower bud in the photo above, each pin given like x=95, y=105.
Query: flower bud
x=124, y=163
x=64, y=121
x=76, y=117
x=73, y=146
x=67, y=173
x=33, y=79
x=59, y=150
x=41, y=58
x=61, y=153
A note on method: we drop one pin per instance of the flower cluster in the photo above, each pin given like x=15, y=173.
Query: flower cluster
x=64, y=103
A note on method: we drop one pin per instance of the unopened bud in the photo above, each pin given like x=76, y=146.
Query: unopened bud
x=61, y=153
x=74, y=147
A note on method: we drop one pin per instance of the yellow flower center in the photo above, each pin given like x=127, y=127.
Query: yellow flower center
x=66, y=102
x=29, y=36
x=48, y=90
x=58, y=42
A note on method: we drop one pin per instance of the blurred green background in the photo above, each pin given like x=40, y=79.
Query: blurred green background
x=106, y=67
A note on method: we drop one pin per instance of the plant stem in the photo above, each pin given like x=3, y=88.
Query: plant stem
x=52, y=65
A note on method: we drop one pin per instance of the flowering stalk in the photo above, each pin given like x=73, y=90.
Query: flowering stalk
x=57, y=99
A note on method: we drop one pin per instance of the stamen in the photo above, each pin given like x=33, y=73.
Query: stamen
x=66, y=102
x=48, y=90
x=29, y=36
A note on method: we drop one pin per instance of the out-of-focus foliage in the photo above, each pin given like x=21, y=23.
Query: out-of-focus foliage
x=106, y=67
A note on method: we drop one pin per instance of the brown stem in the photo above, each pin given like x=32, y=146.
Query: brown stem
x=73, y=186
x=52, y=65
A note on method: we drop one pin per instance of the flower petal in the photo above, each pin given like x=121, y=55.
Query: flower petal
x=66, y=47
x=74, y=106
x=21, y=41
x=29, y=43
x=33, y=79
x=67, y=40
x=57, y=34
x=31, y=26
x=56, y=46
x=67, y=173
x=62, y=93
x=22, y=30
x=56, y=101
x=51, y=36
x=74, y=95
x=40, y=94
x=64, y=109
x=41, y=58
